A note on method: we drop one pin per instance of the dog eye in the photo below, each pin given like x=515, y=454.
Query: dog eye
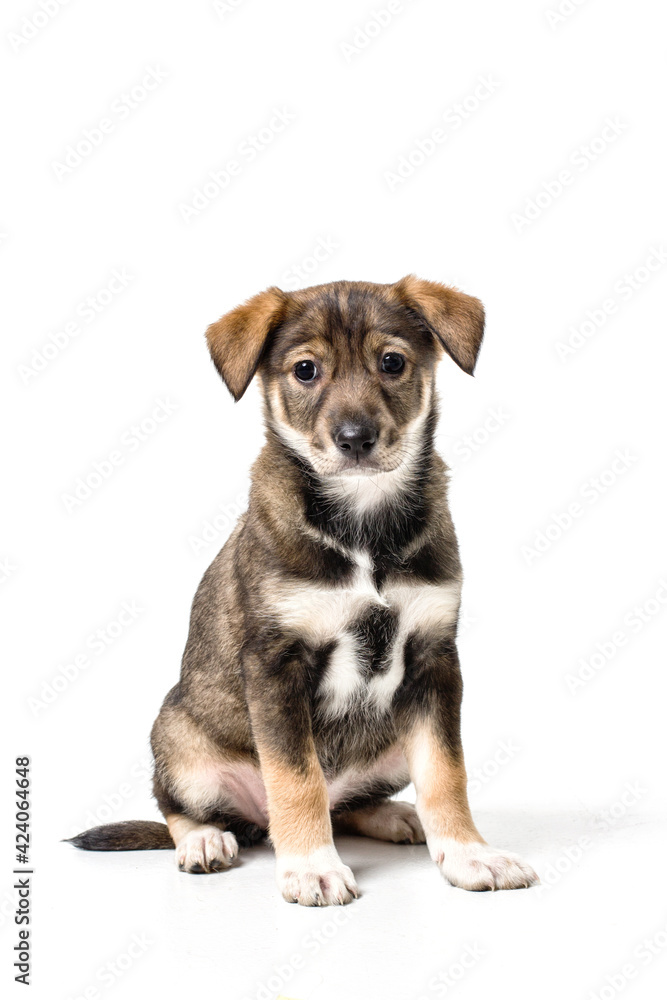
x=305, y=371
x=392, y=363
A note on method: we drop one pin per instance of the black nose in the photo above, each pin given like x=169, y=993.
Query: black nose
x=357, y=439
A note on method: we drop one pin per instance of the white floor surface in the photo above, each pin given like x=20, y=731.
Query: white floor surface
x=130, y=925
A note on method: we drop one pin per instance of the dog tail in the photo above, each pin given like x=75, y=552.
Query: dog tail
x=132, y=835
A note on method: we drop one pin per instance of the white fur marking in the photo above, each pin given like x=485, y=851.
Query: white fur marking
x=363, y=490
x=381, y=688
x=322, y=614
x=424, y=606
x=342, y=680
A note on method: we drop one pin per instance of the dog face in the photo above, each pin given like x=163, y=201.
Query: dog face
x=347, y=369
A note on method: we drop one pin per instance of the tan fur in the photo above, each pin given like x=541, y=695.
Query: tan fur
x=298, y=807
x=456, y=319
x=441, y=783
x=180, y=825
x=237, y=340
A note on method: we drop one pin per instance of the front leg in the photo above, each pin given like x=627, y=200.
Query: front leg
x=309, y=870
x=428, y=712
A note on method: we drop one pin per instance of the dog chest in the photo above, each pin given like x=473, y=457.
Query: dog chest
x=365, y=630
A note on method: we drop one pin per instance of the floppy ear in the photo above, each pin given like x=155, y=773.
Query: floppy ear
x=455, y=319
x=237, y=341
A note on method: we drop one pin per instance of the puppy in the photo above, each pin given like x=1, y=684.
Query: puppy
x=320, y=674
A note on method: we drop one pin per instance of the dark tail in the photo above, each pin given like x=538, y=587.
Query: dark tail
x=132, y=835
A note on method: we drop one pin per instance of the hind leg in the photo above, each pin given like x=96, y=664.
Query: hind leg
x=387, y=820
x=211, y=798
x=201, y=848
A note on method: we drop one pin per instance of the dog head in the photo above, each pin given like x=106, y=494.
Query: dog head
x=347, y=369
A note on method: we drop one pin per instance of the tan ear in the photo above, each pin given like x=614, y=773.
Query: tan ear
x=455, y=319
x=237, y=341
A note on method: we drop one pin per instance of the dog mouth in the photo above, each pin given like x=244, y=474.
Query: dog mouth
x=362, y=467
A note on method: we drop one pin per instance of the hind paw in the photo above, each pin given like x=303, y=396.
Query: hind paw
x=206, y=849
x=396, y=822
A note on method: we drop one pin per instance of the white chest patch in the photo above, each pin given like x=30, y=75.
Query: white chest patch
x=322, y=615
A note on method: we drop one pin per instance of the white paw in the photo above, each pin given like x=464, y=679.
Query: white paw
x=206, y=849
x=477, y=866
x=317, y=879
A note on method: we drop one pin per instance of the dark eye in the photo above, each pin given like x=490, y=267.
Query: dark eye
x=392, y=363
x=305, y=371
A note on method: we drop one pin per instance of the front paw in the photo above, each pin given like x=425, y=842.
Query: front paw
x=478, y=867
x=316, y=879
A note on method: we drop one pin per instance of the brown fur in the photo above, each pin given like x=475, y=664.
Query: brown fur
x=250, y=710
x=457, y=320
x=143, y=835
x=237, y=340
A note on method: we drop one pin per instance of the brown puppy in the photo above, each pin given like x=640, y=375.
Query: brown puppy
x=321, y=675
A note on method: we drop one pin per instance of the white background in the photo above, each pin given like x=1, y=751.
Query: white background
x=530, y=619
